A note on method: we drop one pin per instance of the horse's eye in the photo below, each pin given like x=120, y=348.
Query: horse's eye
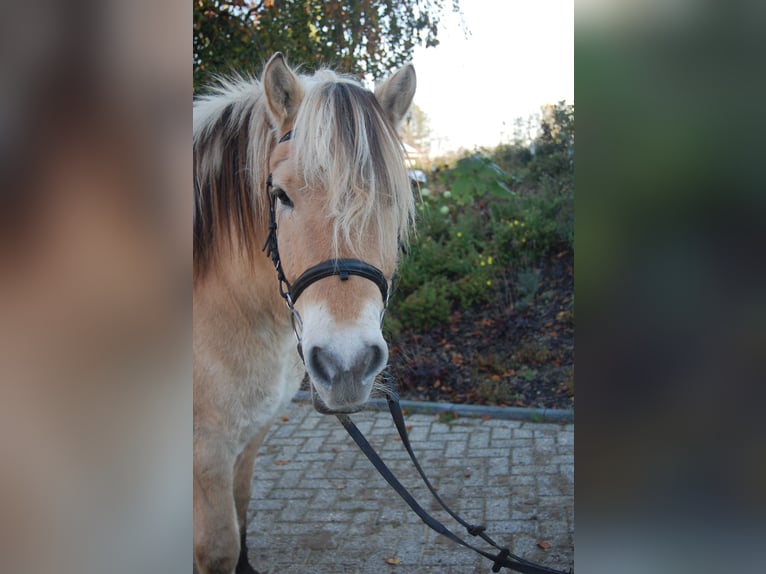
x=283, y=197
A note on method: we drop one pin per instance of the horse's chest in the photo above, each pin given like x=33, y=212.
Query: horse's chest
x=265, y=389
x=243, y=376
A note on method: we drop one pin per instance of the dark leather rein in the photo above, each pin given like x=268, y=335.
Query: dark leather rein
x=344, y=268
x=502, y=559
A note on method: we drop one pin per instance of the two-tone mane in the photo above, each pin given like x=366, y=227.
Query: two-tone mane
x=348, y=147
x=232, y=143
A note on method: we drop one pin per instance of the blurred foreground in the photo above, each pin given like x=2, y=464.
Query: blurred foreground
x=95, y=260
x=670, y=281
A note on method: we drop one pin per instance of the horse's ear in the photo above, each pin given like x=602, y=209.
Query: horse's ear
x=396, y=93
x=283, y=91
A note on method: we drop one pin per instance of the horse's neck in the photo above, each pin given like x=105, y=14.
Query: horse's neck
x=244, y=347
x=242, y=293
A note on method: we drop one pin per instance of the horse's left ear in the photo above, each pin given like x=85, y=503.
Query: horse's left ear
x=396, y=93
x=283, y=89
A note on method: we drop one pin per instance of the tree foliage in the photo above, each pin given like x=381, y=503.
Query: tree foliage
x=416, y=131
x=554, y=146
x=362, y=37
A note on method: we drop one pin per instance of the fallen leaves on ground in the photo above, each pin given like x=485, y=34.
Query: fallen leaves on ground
x=479, y=356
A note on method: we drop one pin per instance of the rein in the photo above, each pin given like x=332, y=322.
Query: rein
x=503, y=559
x=344, y=268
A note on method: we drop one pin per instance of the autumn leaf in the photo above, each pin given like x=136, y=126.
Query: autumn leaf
x=544, y=545
x=393, y=561
x=282, y=462
x=284, y=419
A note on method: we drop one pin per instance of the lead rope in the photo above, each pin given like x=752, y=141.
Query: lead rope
x=503, y=559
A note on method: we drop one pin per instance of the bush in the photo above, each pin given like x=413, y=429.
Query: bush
x=480, y=224
x=427, y=306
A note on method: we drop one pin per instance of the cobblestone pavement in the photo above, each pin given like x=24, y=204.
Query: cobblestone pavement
x=319, y=507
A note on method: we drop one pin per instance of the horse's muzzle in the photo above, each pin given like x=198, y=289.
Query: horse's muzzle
x=322, y=408
x=343, y=385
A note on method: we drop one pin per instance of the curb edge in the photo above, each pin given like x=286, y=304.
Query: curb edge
x=462, y=410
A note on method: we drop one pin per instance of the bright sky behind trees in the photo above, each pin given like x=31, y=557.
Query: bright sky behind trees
x=518, y=56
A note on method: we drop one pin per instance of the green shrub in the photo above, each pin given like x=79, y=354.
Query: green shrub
x=480, y=225
x=427, y=306
x=475, y=176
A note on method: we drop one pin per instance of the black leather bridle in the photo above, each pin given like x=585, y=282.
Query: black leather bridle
x=343, y=268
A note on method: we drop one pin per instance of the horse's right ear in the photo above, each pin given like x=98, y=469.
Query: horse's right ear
x=284, y=92
x=396, y=93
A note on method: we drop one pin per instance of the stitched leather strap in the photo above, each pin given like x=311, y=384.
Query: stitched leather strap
x=503, y=559
x=342, y=268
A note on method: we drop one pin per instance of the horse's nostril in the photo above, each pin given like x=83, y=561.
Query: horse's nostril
x=321, y=365
x=373, y=361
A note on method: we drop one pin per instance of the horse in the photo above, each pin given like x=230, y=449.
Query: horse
x=313, y=162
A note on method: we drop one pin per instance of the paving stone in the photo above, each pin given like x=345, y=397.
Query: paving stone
x=522, y=456
x=522, y=433
x=501, y=434
x=327, y=511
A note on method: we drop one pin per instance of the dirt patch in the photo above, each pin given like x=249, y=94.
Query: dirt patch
x=503, y=354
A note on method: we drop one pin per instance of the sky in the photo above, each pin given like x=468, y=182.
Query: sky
x=518, y=56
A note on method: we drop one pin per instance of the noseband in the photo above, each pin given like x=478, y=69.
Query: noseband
x=343, y=268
